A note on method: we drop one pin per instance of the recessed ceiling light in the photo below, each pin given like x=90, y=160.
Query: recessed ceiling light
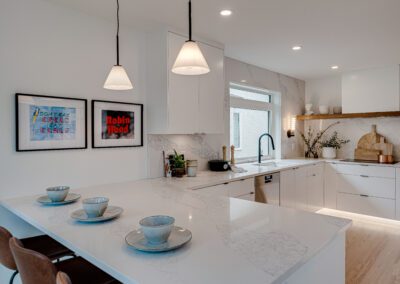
x=226, y=13
x=297, y=47
x=243, y=81
x=334, y=67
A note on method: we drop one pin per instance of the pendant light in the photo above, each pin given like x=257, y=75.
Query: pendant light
x=118, y=78
x=190, y=60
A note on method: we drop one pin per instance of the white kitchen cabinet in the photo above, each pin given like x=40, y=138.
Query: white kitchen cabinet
x=242, y=189
x=250, y=197
x=366, y=169
x=330, y=186
x=367, y=185
x=378, y=89
x=211, y=92
x=179, y=104
x=303, y=188
x=315, y=187
x=216, y=190
x=361, y=188
x=288, y=188
x=373, y=206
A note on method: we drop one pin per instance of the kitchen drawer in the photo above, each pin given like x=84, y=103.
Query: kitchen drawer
x=216, y=190
x=367, y=185
x=379, y=207
x=368, y=170
x=241, y=187
x=315, y=170
x=250, y=197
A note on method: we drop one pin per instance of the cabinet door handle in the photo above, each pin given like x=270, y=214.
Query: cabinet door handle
x=314, y=175
x=364, y=195
x=364, y=176
x=251, y=192
x=226, y=183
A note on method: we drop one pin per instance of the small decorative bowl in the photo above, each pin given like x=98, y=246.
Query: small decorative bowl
x=57, y=193
x=323, y=109
x=157, y=229
x=95, y=206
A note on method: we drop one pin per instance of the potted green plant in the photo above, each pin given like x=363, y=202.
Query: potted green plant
x=178, y=165
x=312, y=140
x=331, y=144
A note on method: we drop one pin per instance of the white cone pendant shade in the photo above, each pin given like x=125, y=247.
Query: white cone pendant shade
x=190, y=60
x=118, y=79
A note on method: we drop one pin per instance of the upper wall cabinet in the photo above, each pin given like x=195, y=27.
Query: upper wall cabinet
x=179, y=104
x=371, y=90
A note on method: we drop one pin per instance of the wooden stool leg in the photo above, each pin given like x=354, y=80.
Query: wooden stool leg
x=13, y=276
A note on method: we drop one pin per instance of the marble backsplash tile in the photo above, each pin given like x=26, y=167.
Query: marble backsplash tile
x=195, y=147
x=354, y=129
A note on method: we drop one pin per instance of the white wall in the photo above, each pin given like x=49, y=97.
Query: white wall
x=49, y=49
x=324, y=91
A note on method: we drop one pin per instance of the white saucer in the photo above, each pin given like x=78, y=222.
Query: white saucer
x=178, y=238
x=110, y=213
x=71, y=198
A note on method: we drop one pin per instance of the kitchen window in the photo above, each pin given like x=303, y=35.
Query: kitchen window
x=251, y=114
x=236, y=130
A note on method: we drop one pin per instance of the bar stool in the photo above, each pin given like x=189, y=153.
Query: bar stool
x=35, y=268
x=62, y=278
x=43, y=244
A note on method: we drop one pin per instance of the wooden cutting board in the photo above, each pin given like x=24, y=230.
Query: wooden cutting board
x=366, y=154
x=369, y=140
x=370, y=146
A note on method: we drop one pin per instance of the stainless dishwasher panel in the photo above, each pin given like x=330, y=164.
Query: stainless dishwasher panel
x=270, y=187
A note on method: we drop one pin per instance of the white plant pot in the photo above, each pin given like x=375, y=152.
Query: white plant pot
x=328, y=153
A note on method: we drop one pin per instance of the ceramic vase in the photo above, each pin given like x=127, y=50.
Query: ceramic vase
x=328, y=153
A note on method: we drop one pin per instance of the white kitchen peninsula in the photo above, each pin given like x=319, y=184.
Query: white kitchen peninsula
x=234, y=241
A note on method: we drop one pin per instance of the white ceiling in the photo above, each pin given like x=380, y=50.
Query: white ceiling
x=353, y=34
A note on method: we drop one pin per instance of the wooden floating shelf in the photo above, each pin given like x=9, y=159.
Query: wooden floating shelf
x=348, y=115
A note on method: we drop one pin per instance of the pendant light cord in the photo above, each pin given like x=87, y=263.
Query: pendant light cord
x=117, y=32
x=190, y=20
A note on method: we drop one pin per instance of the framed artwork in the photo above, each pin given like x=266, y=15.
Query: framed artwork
x=116, y=124
x=50, y=123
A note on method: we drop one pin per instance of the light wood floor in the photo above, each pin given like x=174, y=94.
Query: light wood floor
x=372, y=249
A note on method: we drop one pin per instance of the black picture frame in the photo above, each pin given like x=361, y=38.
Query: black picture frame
x=94, y=138
x=20, y=148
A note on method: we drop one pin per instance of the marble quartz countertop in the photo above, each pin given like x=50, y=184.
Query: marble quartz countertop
x=234, y=241
x=208, y=178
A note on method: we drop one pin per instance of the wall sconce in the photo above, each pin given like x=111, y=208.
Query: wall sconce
x=292, y=127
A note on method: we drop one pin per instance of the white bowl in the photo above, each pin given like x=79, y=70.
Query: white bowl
x=157, y=229
x=57, y=193
x=323, y=109
x=95, y=206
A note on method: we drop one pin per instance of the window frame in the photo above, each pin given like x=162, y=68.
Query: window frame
x=240, y=131
x=242, y=103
